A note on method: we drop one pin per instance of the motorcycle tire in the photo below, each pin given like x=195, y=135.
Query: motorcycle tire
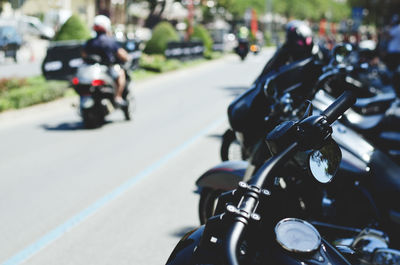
x=208, y=202
x=130, y=108
x=230, y=147
x=91, y=119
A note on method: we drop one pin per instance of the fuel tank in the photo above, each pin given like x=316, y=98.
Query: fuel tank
x=189, y=252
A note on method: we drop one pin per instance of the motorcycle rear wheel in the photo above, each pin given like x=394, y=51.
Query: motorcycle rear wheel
x=92, y=119
x=130, y=108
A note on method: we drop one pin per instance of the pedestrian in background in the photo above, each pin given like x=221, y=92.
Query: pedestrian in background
x=393, y=45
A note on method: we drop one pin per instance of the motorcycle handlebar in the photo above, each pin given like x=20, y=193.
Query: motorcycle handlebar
x=232, y=240
x=334, y=111
x=339, y=106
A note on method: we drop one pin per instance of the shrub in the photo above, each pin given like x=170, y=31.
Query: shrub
x=163, y=33
x=7, y=84
x=29, y=92
x=201, y=33
x=73, y=29
x=158, y=63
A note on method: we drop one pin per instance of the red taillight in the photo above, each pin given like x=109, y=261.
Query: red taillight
x=75, y=81
x=98, y=82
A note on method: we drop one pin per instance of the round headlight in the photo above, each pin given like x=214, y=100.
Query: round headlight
x=296, y=235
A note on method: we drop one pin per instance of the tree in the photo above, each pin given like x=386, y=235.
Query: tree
x=305, y=9
x=238, y=7
x=378, y=12
x=156, y=10
x=312, y=9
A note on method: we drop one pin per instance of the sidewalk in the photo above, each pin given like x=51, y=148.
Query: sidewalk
x=29, y=59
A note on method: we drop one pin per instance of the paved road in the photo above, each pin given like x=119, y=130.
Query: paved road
x=121, y=194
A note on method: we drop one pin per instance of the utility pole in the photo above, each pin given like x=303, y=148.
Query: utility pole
x=189, y=31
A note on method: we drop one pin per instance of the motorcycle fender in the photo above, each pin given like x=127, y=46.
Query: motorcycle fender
x=224, y=176
x=183, y=252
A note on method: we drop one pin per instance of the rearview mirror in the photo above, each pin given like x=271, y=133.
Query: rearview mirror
x=324, y=163
x=386, y=256
x=341, y=51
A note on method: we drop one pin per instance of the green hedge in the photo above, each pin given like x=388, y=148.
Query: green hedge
x=158, y=63
x=163, y=33
x=73, y=29
x=201, y=33
x=19, y=93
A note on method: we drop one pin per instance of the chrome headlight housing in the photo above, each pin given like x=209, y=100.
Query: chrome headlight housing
x=386, y=257
x=298, y=236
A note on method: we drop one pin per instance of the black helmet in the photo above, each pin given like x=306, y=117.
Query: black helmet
x=299, y=39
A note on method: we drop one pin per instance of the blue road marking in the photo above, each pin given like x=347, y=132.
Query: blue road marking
x=59, y=231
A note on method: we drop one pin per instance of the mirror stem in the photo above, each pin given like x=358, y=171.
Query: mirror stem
x=267, y=169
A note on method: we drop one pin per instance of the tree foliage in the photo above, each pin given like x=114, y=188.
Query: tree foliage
x=377, y=12
x=305, y=9
x=238, y=7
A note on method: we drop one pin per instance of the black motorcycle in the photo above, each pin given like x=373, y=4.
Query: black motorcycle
x=253, y=227
x=374, y=115
x=362, y=194
x=242, y=49
x=376, y=112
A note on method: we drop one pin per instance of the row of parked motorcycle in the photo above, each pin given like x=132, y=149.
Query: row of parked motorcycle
x=310, y=171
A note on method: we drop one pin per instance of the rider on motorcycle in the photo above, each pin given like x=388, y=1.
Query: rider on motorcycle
x=111, y=53
x=298, y=45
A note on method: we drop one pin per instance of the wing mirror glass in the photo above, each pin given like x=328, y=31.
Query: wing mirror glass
x=341, y=51
x=386, y=256
x=324, y=163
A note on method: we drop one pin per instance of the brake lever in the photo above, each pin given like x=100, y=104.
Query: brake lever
x=308, y=112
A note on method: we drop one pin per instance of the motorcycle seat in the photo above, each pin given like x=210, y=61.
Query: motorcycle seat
x=352, y=118
x=361, y=122
x=391, y=138
x=374, y=105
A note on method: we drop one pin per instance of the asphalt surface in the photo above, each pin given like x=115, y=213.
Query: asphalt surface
x=123, y=193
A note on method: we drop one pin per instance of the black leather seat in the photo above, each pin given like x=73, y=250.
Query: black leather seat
x=374, y=105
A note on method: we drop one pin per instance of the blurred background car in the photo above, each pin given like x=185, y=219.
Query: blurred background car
x=10, y=41
x=33, y=26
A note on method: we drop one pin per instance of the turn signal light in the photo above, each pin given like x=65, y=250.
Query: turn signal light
x=98, y=82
